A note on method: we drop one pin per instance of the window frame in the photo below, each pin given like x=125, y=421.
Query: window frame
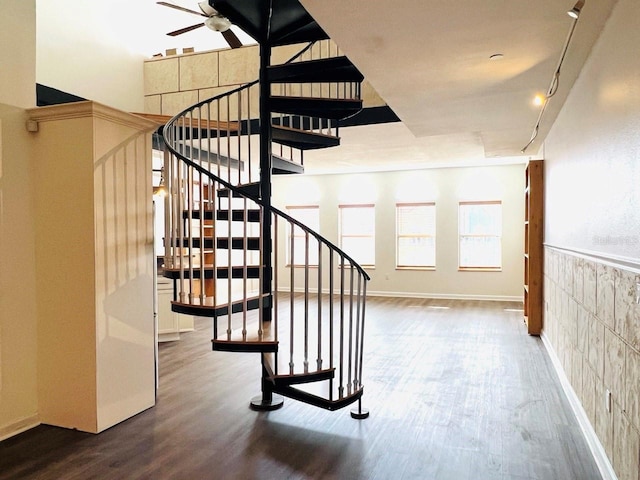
x=313, y=242
x=433, y=235
x=341, y=208
x=470, y=268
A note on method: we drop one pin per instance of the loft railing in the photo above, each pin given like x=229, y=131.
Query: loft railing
x=215, y=255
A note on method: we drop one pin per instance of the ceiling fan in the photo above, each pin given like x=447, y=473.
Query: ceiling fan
x=213, y=20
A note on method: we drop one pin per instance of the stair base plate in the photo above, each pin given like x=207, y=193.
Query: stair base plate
x=257, y=403
x=359, y=413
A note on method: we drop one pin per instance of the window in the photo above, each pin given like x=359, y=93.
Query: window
x=357, y=233
x=480, y=235
x=416, y=235
x=309, y=216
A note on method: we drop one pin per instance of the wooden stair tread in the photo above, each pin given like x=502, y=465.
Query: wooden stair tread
x=237, y=306
x=252, y=342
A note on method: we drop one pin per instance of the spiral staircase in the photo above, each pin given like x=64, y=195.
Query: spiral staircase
x=226, y=245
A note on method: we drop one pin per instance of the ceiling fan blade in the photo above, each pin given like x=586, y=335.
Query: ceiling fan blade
x=185, y=30
x=231, y=38
x=177, y=7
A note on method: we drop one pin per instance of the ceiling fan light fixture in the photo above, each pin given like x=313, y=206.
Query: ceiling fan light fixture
x=575, y=11
x=218, y=23
x=207, y=9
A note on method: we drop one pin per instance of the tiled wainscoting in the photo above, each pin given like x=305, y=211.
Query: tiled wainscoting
x=592, y=324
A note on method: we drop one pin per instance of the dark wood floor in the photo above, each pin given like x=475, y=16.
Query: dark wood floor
x=457, y=393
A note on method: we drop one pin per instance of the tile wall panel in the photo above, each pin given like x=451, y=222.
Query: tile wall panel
x=592, y=321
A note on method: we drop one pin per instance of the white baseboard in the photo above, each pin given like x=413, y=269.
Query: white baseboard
x=597, y=450
x=446, y=296
x=435, y=296
x=20, y=426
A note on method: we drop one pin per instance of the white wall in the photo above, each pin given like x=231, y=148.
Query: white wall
x=18, y=52
x=83, y=49
x=592, y=210
x=444, y=186
x=593, y=151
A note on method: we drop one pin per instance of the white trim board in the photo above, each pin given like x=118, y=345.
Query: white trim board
x=18, y=427
x=597, y=450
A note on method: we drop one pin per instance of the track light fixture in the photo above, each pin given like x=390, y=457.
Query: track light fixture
x=574, y=13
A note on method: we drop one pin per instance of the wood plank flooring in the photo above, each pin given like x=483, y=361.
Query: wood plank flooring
x=457, y=390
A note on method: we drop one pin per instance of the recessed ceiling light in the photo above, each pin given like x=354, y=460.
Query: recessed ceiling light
x=496, y=56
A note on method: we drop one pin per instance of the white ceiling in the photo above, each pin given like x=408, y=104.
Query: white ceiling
x=429, y=60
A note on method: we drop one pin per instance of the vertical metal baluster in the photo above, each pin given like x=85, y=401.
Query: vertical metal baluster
x=178, y=217
x=364, y=302
x=350, y=357
x=229, y=143
x=218, y=131
x=261, y=274
x=274, y=297
x=291, y=290
x=167, y=208
x=341, y=386
x=189, y=233
x=245, y=275
x=319, y=359
x=331, y=308
x=306, y=302
x=249, y=133
x=357, y=342
x=238, y=137
x=189, y=204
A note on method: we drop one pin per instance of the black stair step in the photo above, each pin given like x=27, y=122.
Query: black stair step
x=194, y=242
x=336, y=69
x=283, y=166
x=335, y=109
x=300, y=378
x=309, y=32
x=238, y=215
x=244, y=346
x=220, y=310
x=250, y=271
x=292, y=137
x=238, y=243
x=251, y=190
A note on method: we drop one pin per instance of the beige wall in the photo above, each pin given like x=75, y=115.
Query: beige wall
x=18, y=318
x=592, y=262
x=174, y=83
x=447, y=187
x=18, y=53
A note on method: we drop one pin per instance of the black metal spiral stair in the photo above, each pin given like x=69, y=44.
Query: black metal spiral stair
x=222, y=234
